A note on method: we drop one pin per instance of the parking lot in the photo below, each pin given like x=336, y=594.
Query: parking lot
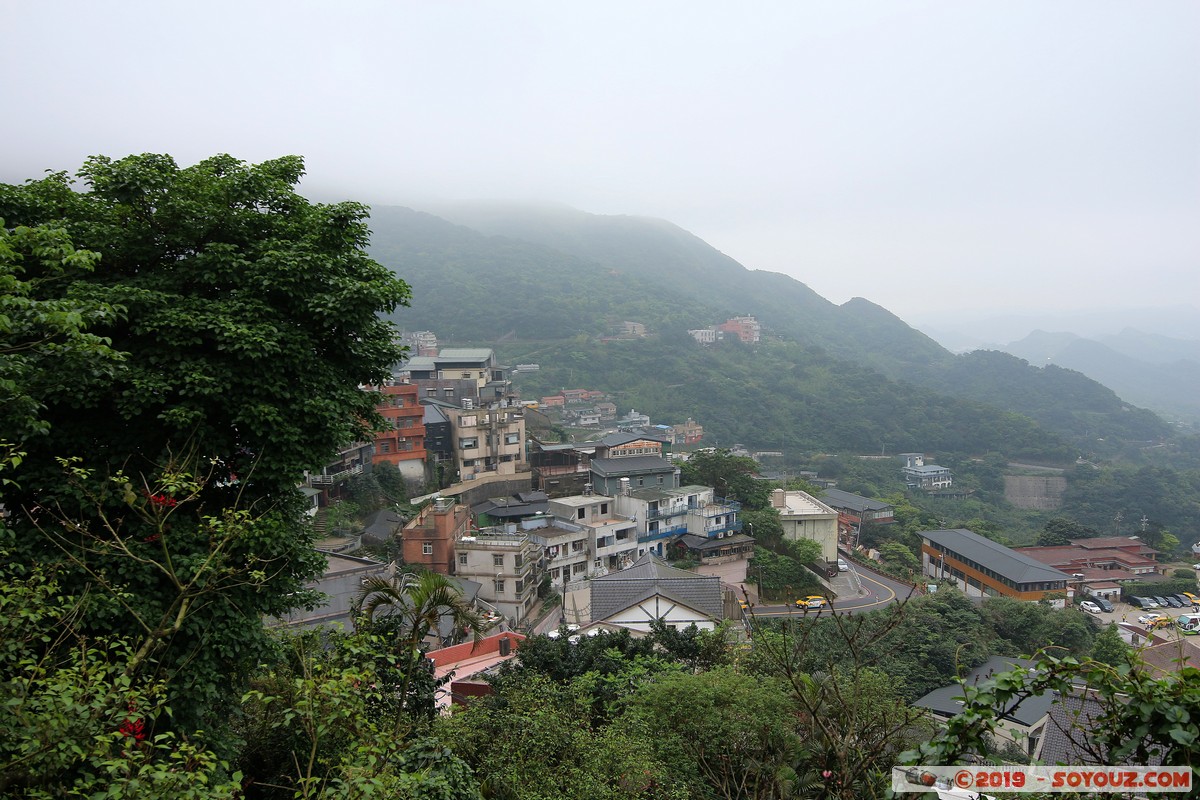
x=1124, y=612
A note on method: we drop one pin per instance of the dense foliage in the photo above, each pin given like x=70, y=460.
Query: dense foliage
x=185, y=343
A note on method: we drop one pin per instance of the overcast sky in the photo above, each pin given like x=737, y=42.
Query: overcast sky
x=924, y=155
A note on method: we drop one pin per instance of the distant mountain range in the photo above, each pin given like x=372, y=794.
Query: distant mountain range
x=1157, y=372
x=552, y=279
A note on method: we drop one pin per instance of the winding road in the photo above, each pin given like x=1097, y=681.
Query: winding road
x=880, y=591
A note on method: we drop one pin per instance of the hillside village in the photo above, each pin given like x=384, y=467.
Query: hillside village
x=583, y=538
x=520, y=518
x=490, y=595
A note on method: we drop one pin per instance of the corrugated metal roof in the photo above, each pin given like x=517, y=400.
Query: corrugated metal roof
x=1017, y=567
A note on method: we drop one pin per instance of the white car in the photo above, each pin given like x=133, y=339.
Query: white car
x=1090, y=607
x=1146, y=619
x=842, y=565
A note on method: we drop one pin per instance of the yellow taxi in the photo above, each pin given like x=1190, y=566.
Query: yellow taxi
x=812, y=601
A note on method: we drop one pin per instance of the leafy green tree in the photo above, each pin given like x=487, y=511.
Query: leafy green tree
x=320, y=723
x=694, y=648
x=897, y=555
x=534, y=739
x=45, y=346
x=78, y=716
x=1026, y=628
x=219, y=339
x=734, y=477
x=1109, y=648
x=764, y=525
x=1060, y=531
x=781, y=576
x=724, y=735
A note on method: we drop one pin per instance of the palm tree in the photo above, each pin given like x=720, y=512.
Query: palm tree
x=417, y=602
x=414, y=604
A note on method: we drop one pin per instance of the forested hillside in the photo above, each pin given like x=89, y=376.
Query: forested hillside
x=782, y=396
x=531, y=278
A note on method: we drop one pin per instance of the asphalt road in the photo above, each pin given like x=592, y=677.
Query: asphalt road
x=880, y=591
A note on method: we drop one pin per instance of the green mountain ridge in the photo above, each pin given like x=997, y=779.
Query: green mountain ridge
x=495, y=273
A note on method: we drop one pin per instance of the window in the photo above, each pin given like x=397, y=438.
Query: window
x=579, y=514
x=577, y=546
x=427, y=549
x=448, y=391
x=497, y=561
x=604, y=508
x=431, y=392
x=468, y=442
x=520, y=587
x=466, y=376
x=498, y=585
x=385, y=447
x=578, y=569
x=512, y=438
x=462, y=559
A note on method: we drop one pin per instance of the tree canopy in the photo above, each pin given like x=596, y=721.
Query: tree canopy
x=178, y=345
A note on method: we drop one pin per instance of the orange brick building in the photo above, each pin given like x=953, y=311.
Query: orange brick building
x=403, y=441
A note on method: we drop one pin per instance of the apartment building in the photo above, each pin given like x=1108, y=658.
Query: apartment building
x=429, y=538
x=612, y=537
x=402, y=442
x=506, y=563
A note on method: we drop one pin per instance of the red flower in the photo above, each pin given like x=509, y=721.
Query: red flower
x=133, y=726
x=162, y=500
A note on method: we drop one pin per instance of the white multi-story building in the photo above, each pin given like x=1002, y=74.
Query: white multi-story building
x=662, y=514
x=612, y=537
x=805, y=517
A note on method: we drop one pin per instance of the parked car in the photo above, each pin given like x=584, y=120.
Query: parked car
x=1166, y=602
x=1147, y=619
x=1191, y=597
x=1183, y=599
x=1105, y=605
x=842, y=565
x=1144, y=603
x=1090, y=607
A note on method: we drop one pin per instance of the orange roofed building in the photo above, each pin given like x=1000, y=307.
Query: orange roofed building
x=466, y=663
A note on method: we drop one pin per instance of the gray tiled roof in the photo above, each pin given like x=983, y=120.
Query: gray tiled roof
x=704, y=544
x=1067, y=738
x=648, y=576
x=947, y=701
x=1017, y=567
x=624, y=437
x=619, y=466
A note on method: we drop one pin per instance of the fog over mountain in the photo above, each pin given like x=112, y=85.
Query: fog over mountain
x=930, y=156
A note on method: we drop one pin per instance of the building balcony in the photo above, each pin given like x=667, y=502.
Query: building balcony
x=723, y=529
x=662, y=533
x=332, y=478
x=667, y=513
